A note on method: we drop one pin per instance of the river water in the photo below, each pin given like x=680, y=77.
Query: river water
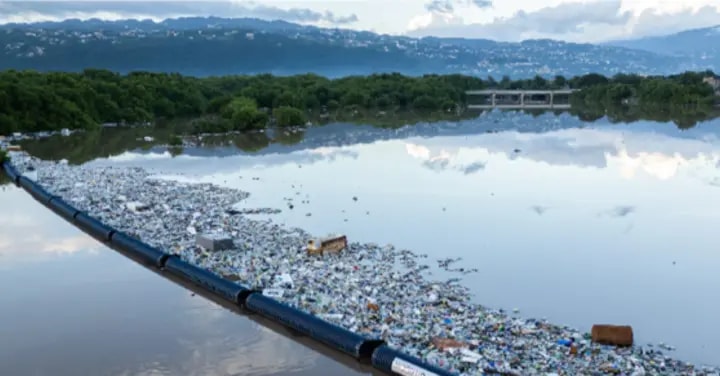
x=580, y=223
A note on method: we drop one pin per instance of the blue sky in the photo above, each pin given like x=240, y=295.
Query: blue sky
x=573, y=20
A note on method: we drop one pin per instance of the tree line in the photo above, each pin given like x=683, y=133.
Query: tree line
x=82, y=147
x=32, y=101
x=682, y=91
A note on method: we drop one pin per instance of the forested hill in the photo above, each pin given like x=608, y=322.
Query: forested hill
x=216, y=46
x=698, y=45
x=32, y=101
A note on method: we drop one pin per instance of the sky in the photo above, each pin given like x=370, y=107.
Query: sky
x=570, y=20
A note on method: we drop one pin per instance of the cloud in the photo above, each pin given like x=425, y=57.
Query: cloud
x=302, y=15
x=439, y=164
x=482, y=3
x=561, y=20
x=620, y=211
x=434, y=20
x=473, y=168
x=442, y=161
x=592, y=21
x=440, y=6
x=29, y=11
x=652, y=22
x=659, y=165
x=21, y=239
x=448, y=6
x=571, y=17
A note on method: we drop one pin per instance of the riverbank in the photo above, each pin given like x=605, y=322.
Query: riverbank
x=340, y=288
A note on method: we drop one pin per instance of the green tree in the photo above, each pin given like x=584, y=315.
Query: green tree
x=505, y=82
x=425, y=103
x=588, y=80
x=383, y=102
x=34, y=101
x=618, y=92
x=354, y=97
x=559, y=82
x=286, y=116
x=333, y=105
x=175, y=140
x=244, y=115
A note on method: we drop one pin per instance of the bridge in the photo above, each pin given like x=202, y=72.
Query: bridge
x=552, y=99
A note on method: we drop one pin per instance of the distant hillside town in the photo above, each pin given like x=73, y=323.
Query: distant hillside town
x=217, y=46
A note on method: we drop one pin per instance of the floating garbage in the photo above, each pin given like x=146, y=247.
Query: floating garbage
x=285, y=281
x=248, y=211
x=214, y=242
x=447, y=343
x=335, y=243
x=612, y=335
x=136, y=206
x=274, y=293
x=378, y=291
x=470, y=356
x=240, y=209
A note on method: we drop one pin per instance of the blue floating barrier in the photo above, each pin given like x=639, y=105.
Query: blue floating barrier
x=208, y=280
x=353, y=344
x=390, y=360
x=62, y=208
x=93, y=227
x=138, y=250
x=36, y=191
x=11, y=172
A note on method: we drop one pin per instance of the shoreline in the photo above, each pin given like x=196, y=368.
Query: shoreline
x=408, y=316
x=241, y=103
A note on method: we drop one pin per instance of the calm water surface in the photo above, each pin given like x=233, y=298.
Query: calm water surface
x=73, y=307
x=581, y=225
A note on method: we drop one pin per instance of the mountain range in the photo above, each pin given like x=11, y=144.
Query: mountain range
x=205, y=46
x=700, y=46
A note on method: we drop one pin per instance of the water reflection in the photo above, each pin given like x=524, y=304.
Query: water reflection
x=629, y=152
x=619, y=211
x=632, y=154
x=82, y=147
x=20, y=240
x=579, y=225
x=683, y=119
x=73, y=307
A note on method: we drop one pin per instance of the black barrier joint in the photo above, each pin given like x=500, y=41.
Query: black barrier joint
x=245, y=294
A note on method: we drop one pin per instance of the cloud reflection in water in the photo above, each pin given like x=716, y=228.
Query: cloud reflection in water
x=29, y=230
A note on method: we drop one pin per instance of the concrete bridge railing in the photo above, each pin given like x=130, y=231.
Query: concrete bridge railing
x=521, y=98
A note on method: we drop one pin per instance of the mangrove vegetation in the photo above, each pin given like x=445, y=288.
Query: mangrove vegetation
x=31, y=101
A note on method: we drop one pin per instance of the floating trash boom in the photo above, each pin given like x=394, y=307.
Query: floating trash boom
x=371, y=350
